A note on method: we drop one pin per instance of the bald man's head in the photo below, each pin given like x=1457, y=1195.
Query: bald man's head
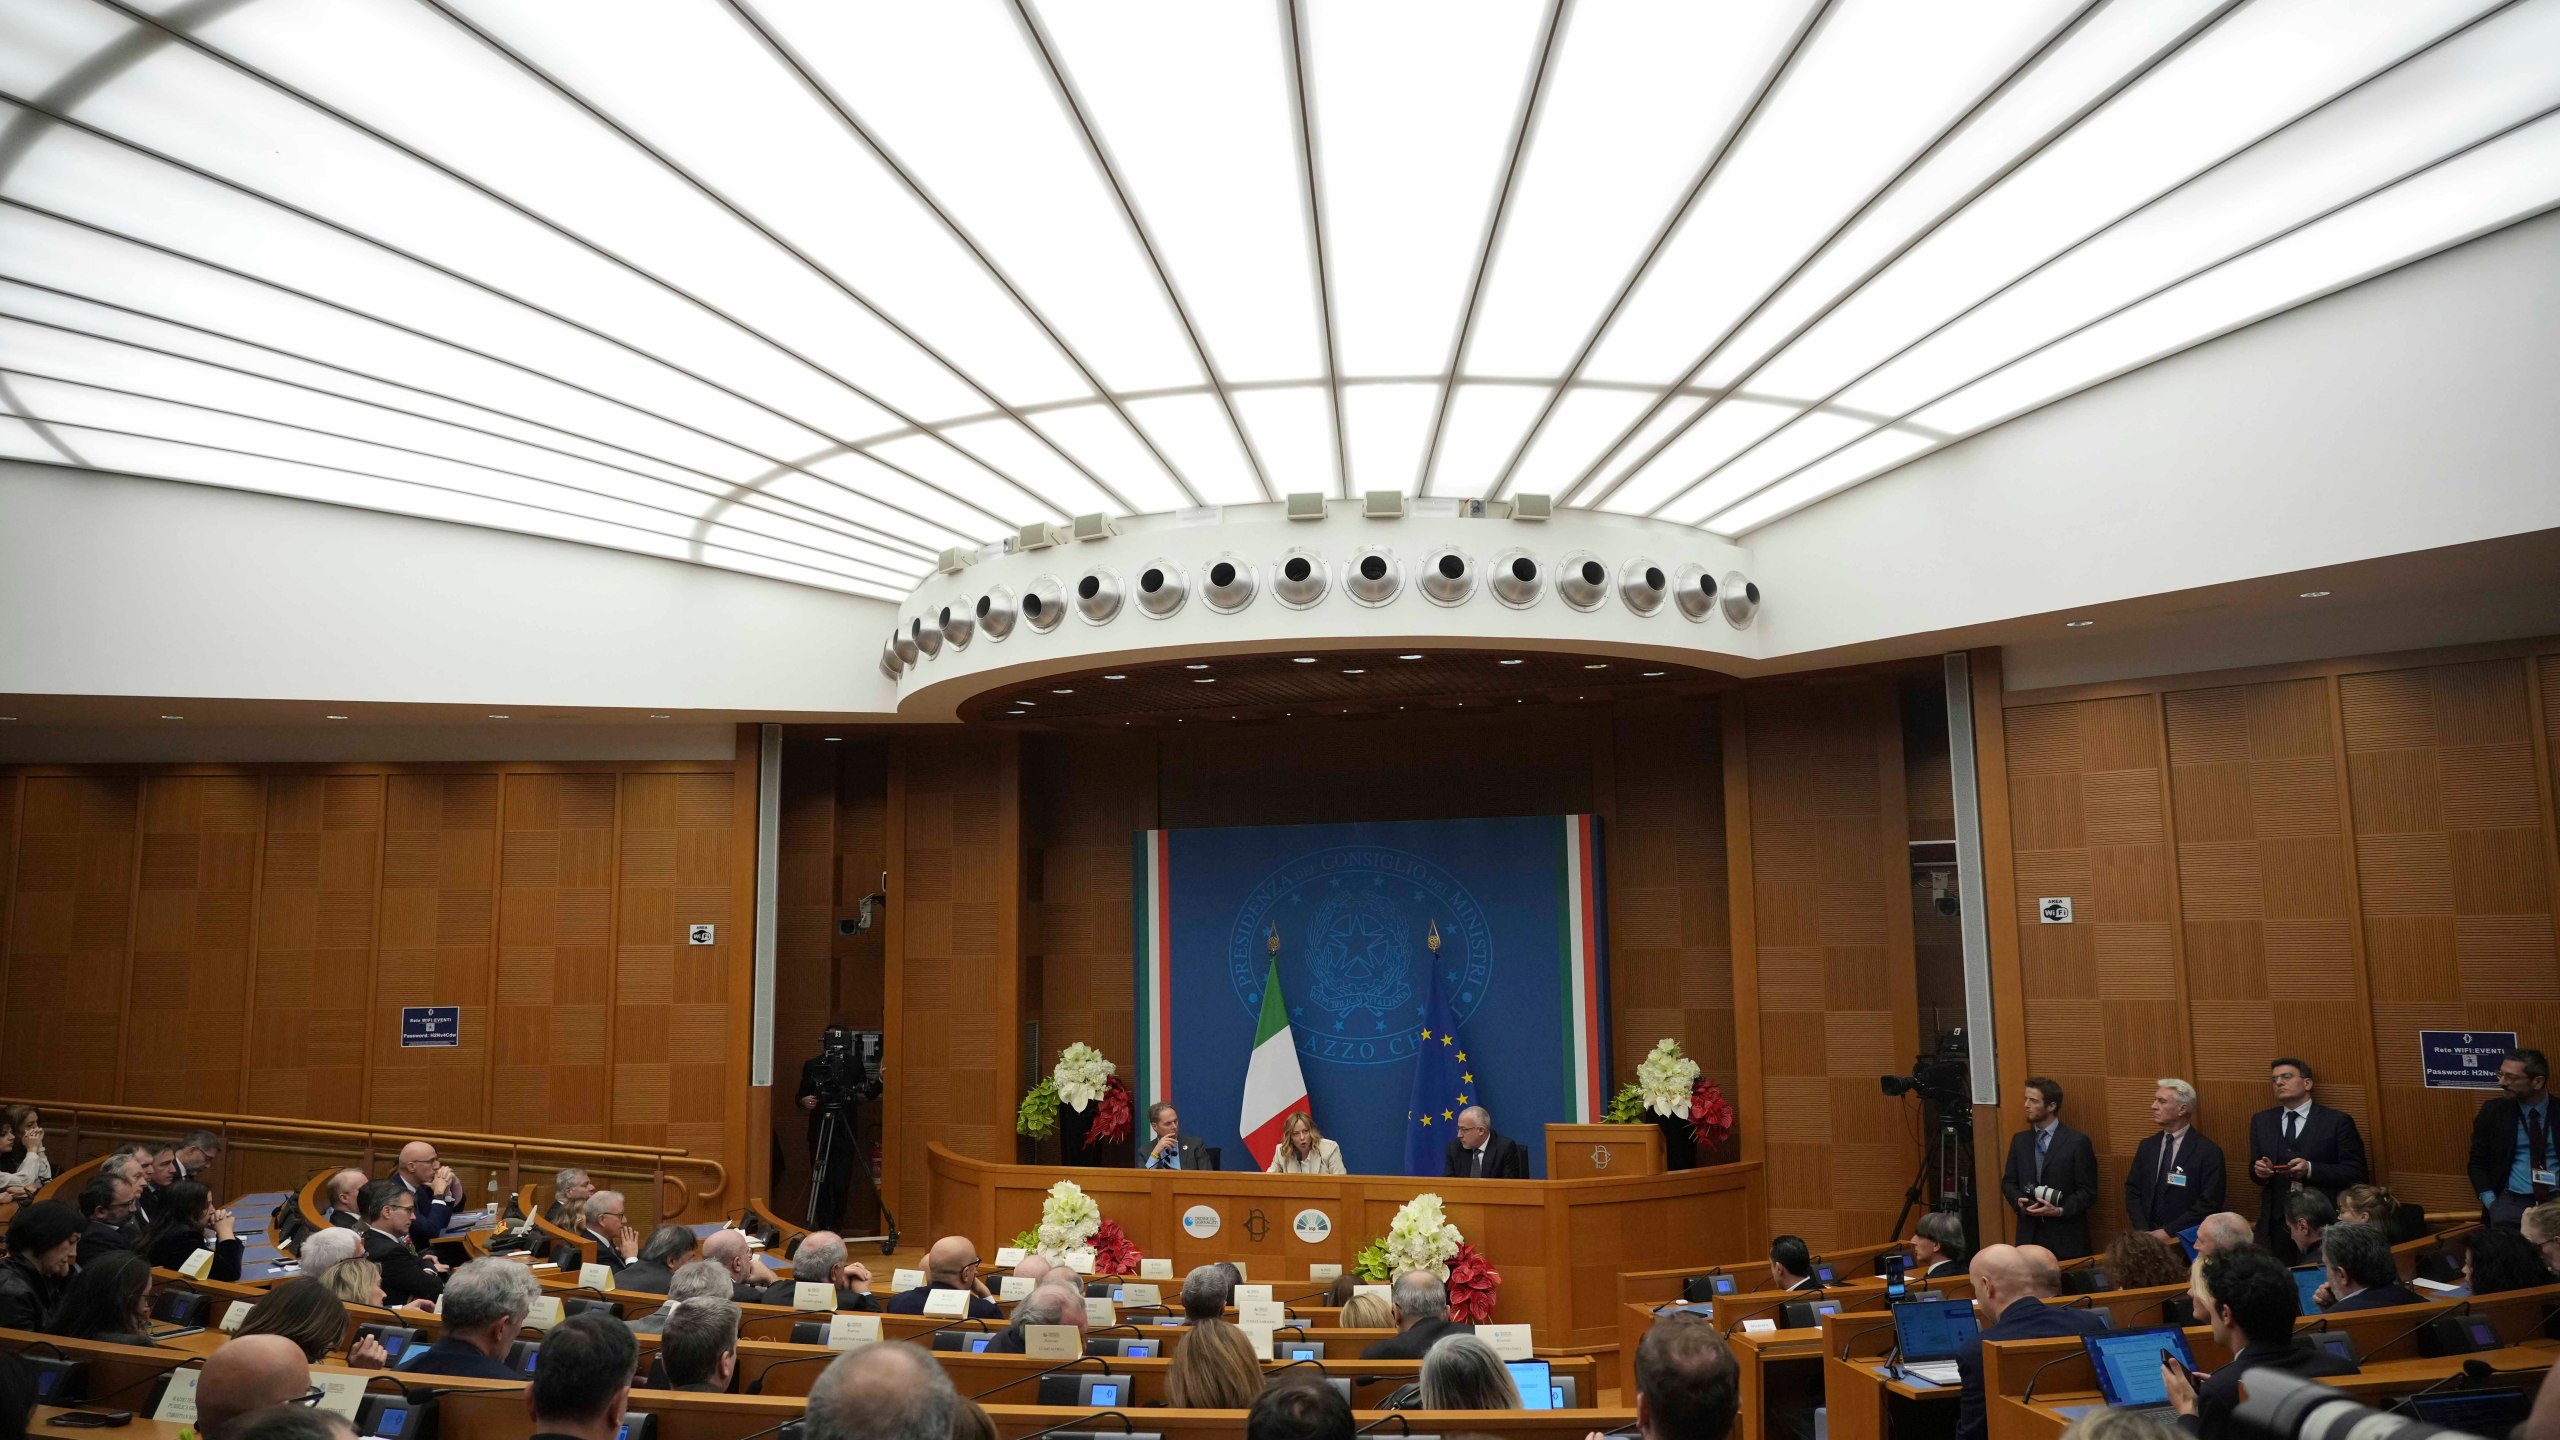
x=1034, y=1268
x=1999, y=1276
x=2225, y=1231
x=948, y=1261
x=249, y=1372
x=2044, y=1270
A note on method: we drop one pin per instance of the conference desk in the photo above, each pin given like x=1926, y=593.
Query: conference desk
x=1558, y=1244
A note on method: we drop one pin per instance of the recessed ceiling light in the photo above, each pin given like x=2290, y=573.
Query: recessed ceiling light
x=1204, y=679
x=1202, y=666
x=1026, y=702
x=8, y=717
x=1655, y=674
x=1355, y=672
x=835, y=739
x=1062, y=692
x=2315, y=595
x=1016, y=712
x=336, y=717
x=1510, y=662
x=2078, y=624
x=1597, y=665
x=662, y=717
x=1115, y=677
x=1303, y=660
x=173, y=717
x=1408, y=657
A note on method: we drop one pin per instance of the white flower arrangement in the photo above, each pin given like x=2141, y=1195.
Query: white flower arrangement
x=1081, y=1075
x=1068, y=1219
x=1666, y=1078
x=1421, y=1238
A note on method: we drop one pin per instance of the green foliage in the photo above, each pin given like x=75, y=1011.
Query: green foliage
x=1370, y=1265
x=1626, y=1107
x=1038, y=1117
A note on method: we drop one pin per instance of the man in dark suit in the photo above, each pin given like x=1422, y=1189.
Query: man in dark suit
x=1061, y=1303
x=821, y=1260
x=2248, y=1299
x=485, y=1305
x=1168, y=1148
x=2515, y=1157
x=1791, y=1265
x=661, y=1255
x=2050, y=1155
x=1484, y=1153
x=2176, y=1178
x=433, y=1186
x=605, y=1220
x=2362, y=1273
x=387, y=1209
x=952, y=1264
x=106, y=1205
x=1937, y=1246
x=2299, y=1145
x=569, y=1191
x=2010, y=1287
x=342, y=1190
x=1422, y=1317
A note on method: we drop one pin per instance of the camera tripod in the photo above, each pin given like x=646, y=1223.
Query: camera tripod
x=835, y=1137
x=1949, y=1164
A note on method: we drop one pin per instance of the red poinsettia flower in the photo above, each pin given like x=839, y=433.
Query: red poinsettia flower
x=1113, y=1253
x=1710, y=1116
x=1473, y=1284
x=1111, y=1118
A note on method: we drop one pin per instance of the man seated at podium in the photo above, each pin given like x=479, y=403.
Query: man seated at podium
x=1059, y=1300
x=1422, y=1317
x=1170, y=1149
x=952, y=1264
x=821, y=1260
x=1483, y=1153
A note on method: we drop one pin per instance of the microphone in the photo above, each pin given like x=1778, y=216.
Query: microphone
x=128, y=1387
x=1793, y=1296
x=1052, y=1370
x=2375, y=1351
x=2029, y=1397
x=1310, y=1295
x=1403, y=1426
x=2473, y=1369
x=1848, y=1339
x=1125, y=1427
x=1294, y=1364
x=758, y=1387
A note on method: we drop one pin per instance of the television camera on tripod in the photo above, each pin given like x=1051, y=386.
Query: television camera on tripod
x=1942, y=1081
x=844, y=1074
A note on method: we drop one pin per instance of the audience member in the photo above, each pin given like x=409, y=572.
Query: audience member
x=1937, y=1245
x=388, y=1207
x=1791, y=1265
x=584, y=1380
x=1372, y=1311
x=343, y=1188
x=1687, y=1383
x=2542, y=1227
x=970, y=1421
x=158, y=1160
x=701, y=1280
x=1050, y=1303
x=187, y=1212
x=2010, y=1287
x=304, y=1311
x=486, y=1303
x=2176, y=1178
x=2297, y=1145
x=196, y=1153
x=1461, y=1372
x=2514, y=1154
x=1299, y=1409
x=1214, y=1368
x=569, y=1192
x=44, y=1243
x=2362, y=1274
x=700, y=1351
x=2306, y=1214
x=24, y=1167
x=2248, y=1298
x=882, y=1392
x=604, y=1222
x=433, y=1188
x=106, y=1212
x=748, y=1276
x=324, y=1248
x=2499, y=1260
x=2136, y=1261
x=2223, y=1230
x=667, y=1248
x=821, y=1260
x=108, y=1301
x=248, y=1373
x=951, y=1264
x=1206, y=1293
x=1338, y=1292
x=1421, y=1305
x=2376, y=1206
x=358, y=1281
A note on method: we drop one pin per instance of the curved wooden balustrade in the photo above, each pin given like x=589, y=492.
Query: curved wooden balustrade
x=676, y=1179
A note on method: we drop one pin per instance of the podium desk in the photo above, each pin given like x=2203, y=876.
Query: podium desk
x=1591, y=1152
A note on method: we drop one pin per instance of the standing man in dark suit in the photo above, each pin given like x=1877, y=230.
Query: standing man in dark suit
x=2010, y=1287
x=2515, y=1157
x=2053, y=1156
x=2248, y=1299
x=1484, y=1153
x=2177, y=1176
x=387, y=1209
x=1422, y=1317
x=1170, y=1149
x=2299, y=1145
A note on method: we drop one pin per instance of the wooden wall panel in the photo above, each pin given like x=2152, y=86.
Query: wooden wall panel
x=803, y=977
x=11, y=790
x=671, y=1068
x=1663, y=862
x=2452, y=835
x=1083, y=801
x=70, y=928
x=316, y=902
x=437, y=945
x=555, y=955
x=1832, y=952
x=194, y=919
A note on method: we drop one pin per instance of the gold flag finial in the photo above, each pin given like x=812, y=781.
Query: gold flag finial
x=1273, y=940
x=1434, y=940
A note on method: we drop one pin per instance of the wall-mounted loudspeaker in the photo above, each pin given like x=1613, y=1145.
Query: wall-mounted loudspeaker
x=1228, y=585
x=1306, y=505
x=1694, y=590
x=1044, y=603
x=1162, y=588
x=1098, y=597
x=996, y=612
x=1300, y=579
x=1374, y=577
x=1448, y=576
x=1642, y=585
x=1741, y=600
x=890, y=664
x=928, y=636
x=1583, y=581
x=1518, y=580
x=959, y=626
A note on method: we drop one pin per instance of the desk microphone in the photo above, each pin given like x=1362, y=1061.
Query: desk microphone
x=2030, y=1397
x=1793, y=1296
x=758, y=1387
x=1052, y=1370
x=1125, y=1427
x=1294, y=1364
x=1403, y=1425
x=1845, y=1341
x=2375, y=1352
x=2471, y=1370
x=196, y=1363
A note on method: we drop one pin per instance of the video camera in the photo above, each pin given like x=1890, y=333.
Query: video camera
x=1941, y=1077
x=848, y=1067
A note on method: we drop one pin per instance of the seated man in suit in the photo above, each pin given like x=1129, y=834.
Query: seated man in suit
x=952, y=1264
x=700, y=1348
x=1483, y=1153
x=197, y=1151
x=1937, y=1246
x=2223, y=1230
x=106, y=1213
x=387, y=1209
x=2176, y=1178
x=583, y=1385
x=2362, y=1273
x=569, y=1191
x=661, y=1255
x=1422, y=1317
x=485, y=1306
x=2011, y=1284
x=2299, y=1145
x=130, y=1170
x=2247, y=1296
x=1791, y=1265
x=435, y=1188
x=701, y=1280
x=1168, y=1148
x=338, y=1199
x=605, y=1220
x=820, y=1260
x=1057, y=1300
x=159, y=1161
x=246, y=1375
x=749, y=1276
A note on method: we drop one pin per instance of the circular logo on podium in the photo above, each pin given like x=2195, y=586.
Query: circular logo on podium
x=1313, y=1226
x=1200, y=1222
x=1355, y=925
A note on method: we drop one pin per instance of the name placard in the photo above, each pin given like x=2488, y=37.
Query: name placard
x=1270, y=1314
x=1010, y=1256
x=1155, y=1269
x=340, y=1394
x=946, y=1302
x=1323, y=1274
x=1252, y=1292
x=545, y=1313
x=1098, y=1312
x=178, y=1402
x=1511, y=1342
x=599, y=1278
x=1259, y=1337
x=1014, y=1287
x=1760, y=1325
x=1052, y=1342
x=232, y=1318
x=1383, y=1292
x=813, y=1295
x=197, y=1265
x=847, y=1331
x=905, y=1279
x=1081, y=1262
x=1134, y=1293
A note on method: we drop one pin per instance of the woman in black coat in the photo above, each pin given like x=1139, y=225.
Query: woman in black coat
x=186, y=1212
x=44, y=1239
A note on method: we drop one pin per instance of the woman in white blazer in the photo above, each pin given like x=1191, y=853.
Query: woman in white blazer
x=1304, y=1150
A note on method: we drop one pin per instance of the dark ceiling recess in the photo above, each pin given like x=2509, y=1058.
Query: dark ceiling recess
x=1332, y=682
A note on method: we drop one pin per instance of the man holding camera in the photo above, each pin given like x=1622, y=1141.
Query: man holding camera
x=2051, y=1179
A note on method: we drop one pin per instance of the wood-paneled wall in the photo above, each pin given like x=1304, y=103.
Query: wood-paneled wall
x=243, y=938
x=1670, y=920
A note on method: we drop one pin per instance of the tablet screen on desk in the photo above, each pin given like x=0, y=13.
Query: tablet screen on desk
x=2306, y=1280
x=2128, y=1363
x=1536, y=1385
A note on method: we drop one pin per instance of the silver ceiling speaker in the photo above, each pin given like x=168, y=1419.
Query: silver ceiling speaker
x=1301, y=579
x=1694, y=590
x=1374, y=577
x=890, y=664
x=959, y=627
x=1642, y=584
x=1583, y=581
x=905, y=645
x=928, y=636
x=1448, y=576
x=1741, y=600
x=996, y=613
x=1228, y=585
x=1518, y=579
x=1044, y=603
x=1098, y=596
x=1162, y=587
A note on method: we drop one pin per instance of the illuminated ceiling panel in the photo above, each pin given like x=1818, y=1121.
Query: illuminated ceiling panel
x=814, y=290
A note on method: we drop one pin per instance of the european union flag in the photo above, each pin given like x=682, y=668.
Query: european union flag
x=1444, y=1083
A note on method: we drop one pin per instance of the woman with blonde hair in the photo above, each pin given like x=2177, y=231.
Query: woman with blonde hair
x=1303, y=1150
x=1368, y=1312
x=356, y=1282
x=1214, y=1368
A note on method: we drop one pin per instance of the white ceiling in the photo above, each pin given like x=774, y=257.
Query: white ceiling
x=811, y=289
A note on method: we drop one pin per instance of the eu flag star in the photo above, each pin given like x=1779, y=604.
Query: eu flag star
x=1426, y=1119
x=1469, y=1077
x=1445, y=1115
x=1444, y=1039
x=1426, y=1034
x=1462, y=1057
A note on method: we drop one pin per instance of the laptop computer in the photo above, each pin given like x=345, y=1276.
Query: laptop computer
x=1929, y=1333
x=2127, y=1363
x=2475, y=1412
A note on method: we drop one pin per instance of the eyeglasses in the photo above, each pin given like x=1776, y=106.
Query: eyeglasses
x=610, y=1215
x=314, y=1397
x=411, y=1207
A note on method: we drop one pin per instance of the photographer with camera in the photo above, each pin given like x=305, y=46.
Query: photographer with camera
x=832, y=1082
x=2052, y=1176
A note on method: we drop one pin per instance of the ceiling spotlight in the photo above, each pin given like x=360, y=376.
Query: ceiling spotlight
x=181, y=717
x=653, y=717
x=342, y=717
x=1015, y=712
x=1026, y=702
x=1597, y=665
x=1408, y=657
x=2314, y=595
x=1510, y=662
x=2078, y=624
x=173, y=717
x=1198, y=665
x=1304, y=660
x=1355, y=672
x=835, y=739
x=1655, y=674
x=1204, y=679
x=1062, y=692
x=1115, y=677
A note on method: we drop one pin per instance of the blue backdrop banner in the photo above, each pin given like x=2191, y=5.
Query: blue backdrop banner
x=1516, y=983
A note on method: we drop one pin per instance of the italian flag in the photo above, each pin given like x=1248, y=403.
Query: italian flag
x=1273, y=1085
